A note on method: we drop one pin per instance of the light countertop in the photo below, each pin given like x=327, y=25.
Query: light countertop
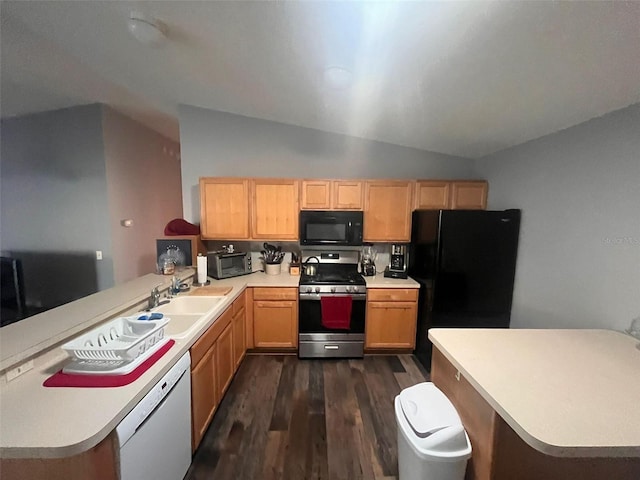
x=40, y=422
x=22, y=340
x=380, y=281
x=568, y=393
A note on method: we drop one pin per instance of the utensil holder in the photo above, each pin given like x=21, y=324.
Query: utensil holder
x=272, y=268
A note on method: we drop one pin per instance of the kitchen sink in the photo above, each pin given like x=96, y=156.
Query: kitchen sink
x=180, y=325
x=186, y=313
x=188, y=305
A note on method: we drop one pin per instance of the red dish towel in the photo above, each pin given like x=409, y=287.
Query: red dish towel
x=61, y=379
x=336, y=312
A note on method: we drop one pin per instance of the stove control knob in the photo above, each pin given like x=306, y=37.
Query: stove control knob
x=308, y=290
x=351, y=289
x=317, y=289
x=333, y=289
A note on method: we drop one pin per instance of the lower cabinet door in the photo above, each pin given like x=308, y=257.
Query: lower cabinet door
x=275, y=324
x=204, y=398
x=239, y=337
x=391, y=325
x=225, y=365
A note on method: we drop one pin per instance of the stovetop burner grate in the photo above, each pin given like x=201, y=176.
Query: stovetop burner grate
x=333, y=268
x=332, y=278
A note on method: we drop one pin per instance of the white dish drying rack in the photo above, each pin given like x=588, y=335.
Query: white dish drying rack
x=111, y=347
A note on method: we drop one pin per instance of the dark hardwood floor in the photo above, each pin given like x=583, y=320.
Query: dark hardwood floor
x=285, y=418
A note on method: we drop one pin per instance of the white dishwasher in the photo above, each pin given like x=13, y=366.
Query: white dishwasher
x=155, y=437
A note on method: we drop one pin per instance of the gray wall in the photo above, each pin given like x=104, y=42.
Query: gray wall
x=217, y=144
x=53, y=187
x=579, y=190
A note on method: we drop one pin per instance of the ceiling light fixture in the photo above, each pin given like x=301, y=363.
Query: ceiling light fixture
x=147, y=30
x=337, y=78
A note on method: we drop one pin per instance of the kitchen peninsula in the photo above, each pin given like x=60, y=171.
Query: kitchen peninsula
x=39, y=422
x=67, y=432
x=544, y=404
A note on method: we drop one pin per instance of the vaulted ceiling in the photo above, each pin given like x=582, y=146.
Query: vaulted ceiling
x=462, y=78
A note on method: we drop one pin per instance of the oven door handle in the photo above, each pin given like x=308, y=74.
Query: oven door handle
x=318, y=296
x=332, y=347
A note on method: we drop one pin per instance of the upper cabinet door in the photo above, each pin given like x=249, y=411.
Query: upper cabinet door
x=387, y=211
x=469, y=195
x=346, y=195
x=224, y=208
x=275, y=209
x=316, y=195
x=331, y=195
x=451, y=195
x=432, y=195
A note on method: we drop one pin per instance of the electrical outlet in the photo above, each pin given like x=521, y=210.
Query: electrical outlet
x=98, y=254
x=19, y=370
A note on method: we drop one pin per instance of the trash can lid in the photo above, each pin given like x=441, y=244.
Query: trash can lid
x=427, y=409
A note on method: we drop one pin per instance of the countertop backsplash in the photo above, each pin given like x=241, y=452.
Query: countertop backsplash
x=254, y=247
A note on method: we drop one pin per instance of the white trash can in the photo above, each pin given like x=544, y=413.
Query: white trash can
x=432, y=443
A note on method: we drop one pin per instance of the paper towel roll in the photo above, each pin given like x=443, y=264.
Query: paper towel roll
x=202, y=268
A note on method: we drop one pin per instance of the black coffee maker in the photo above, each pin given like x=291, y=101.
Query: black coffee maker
x=397, y=262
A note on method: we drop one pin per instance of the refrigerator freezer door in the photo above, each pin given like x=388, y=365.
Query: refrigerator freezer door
x=465, y=263
x=424, y=243
x=476, y=262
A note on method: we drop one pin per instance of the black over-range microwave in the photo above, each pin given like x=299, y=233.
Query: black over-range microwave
x=323, y=227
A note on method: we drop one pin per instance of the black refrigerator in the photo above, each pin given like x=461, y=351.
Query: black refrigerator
x=465, y=262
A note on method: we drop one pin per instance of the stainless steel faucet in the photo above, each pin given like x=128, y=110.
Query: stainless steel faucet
x=154, y=299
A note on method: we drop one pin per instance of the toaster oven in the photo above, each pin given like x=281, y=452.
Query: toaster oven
x=227, y=265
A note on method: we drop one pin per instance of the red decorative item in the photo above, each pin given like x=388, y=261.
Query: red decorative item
x=61, y=379
x=336, y=312
x=179, y=226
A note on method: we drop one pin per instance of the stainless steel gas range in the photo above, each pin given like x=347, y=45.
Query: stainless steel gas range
x=332, y=305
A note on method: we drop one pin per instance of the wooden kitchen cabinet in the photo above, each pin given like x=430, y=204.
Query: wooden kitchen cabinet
x=275, y=208
x=211, y=362
x=239, y=329
x=315, y=195
x=387, y=211
x=268, y=208
x=391, y=318
x=275, y=318
x=248, y=313
x=225, y=364
x=204, y=397
x=243, y=209
x=433, y=195
x=451, y=195
x=224, y=208
x=331, y=195
x=346, y=195
x=469, y=195
x=215, y=357
x=499, y=453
